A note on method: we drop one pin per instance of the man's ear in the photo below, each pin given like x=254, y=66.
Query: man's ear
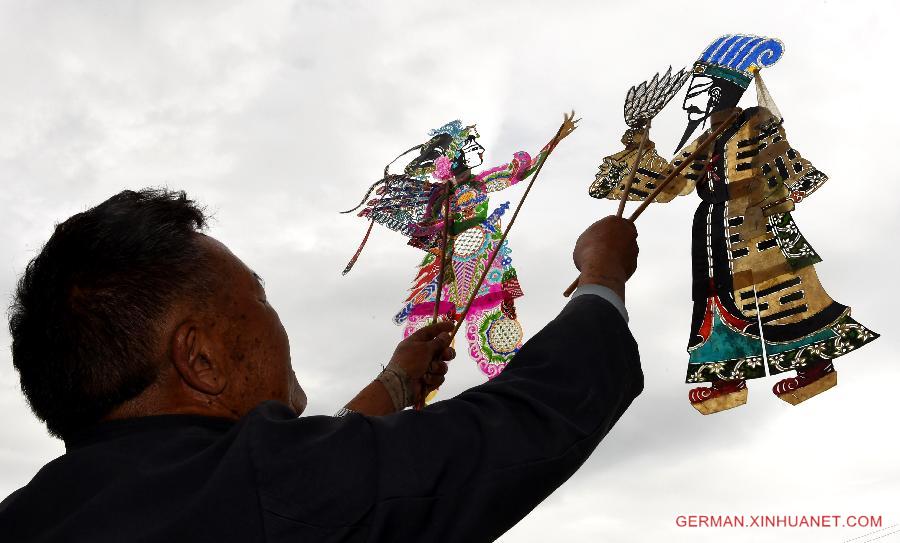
x=192, y=357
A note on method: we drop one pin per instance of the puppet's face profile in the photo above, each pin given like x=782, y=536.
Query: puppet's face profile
x=702, y=97
x=472, y=153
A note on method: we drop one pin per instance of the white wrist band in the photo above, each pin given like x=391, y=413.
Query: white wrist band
x=398, y=386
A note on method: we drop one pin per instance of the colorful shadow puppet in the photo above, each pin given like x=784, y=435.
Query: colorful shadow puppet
x=414, y=202
x=758, y=303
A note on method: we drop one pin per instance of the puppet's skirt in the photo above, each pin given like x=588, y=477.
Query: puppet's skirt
x=492, y=330
x=777, y=321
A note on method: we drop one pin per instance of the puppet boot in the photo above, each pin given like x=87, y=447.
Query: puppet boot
x=721, y=395
x=811, y=380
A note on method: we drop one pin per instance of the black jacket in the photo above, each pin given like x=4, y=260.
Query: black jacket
x=463, y=469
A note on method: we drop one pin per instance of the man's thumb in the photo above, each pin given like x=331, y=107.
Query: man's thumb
x=427, y=333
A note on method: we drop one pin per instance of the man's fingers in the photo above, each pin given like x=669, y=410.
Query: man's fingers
x=433, y=381
x=438, y=345
x=449, y=353
x=438, y=367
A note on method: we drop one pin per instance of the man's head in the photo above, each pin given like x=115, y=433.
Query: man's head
x=129, y=310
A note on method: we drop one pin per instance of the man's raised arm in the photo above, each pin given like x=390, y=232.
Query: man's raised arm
x=470, y=467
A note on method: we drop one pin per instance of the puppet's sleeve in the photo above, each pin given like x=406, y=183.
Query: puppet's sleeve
x=519, y=168
x=787, y=178
x=609, y=182
x=506, y=175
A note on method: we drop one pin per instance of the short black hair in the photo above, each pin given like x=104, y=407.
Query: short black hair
x=85, y=316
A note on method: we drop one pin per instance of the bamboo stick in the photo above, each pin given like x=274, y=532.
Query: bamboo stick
x=634, y=167
x=487, y=268
x=693, y=156
x=445, y=240
x=442, y=268
x=477, y=287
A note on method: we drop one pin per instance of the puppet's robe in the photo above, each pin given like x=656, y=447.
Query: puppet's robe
x=492, y=330
x=757, y=299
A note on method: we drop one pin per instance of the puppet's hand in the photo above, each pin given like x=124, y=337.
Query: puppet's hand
x=633, y=136
x=568, y=126
x=783, y=206
x=424, y=355
x=773, y=198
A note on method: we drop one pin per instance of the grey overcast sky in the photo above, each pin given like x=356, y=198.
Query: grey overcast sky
x=278, y=114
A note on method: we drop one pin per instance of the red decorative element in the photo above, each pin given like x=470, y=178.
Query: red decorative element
x=427, y=308
x=718, y=388
x=714, y=301
x=805, y=376
x=733, y=320
x=706, y=326
x=511, y=289
x=711, y=165
x=424, y=277
x=508, y=308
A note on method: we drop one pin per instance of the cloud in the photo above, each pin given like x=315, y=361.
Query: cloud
x=278, y=114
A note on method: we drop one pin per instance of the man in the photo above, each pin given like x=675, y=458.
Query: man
x=757, y=299
x=152, y=351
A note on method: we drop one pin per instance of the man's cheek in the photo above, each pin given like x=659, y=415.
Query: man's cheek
x=298, y=398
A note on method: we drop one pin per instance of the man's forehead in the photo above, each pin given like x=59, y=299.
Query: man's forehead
x=221, y=254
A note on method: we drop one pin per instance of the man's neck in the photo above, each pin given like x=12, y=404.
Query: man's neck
x=157, y=399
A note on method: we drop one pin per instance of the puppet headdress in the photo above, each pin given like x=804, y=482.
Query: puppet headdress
x=458, y=134
x=440, y=154
x=453, y=128
x=737, y=57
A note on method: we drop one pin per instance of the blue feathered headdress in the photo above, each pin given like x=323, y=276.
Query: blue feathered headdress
x=737, y=57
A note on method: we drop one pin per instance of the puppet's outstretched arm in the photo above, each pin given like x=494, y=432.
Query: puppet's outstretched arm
x=522, y=165
x=609, y=181
x=506, y=175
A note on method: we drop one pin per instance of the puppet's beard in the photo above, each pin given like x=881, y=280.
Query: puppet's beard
x=688, y=131
x=693, y=124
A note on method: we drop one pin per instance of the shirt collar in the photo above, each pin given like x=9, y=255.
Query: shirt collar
x=111, y=429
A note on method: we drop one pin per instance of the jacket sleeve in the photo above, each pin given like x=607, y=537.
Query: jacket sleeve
x=470, y=467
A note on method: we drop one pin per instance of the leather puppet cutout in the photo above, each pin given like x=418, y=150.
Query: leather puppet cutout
x=414, y=202
x=759, y=307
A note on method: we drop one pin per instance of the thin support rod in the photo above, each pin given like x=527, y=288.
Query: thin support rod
x=692, y=157
x=626, y=190
x=490, y=262
x=445, y=241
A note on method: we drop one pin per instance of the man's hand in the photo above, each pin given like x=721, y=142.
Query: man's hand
x=419, y=365
x=424, y=355
x=606, y=253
